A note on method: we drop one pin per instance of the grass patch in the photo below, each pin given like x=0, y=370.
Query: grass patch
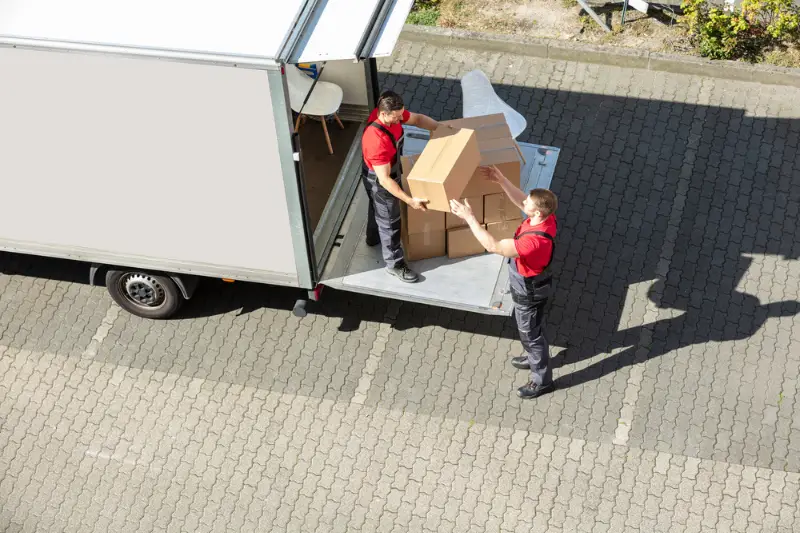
x=498, y=24
x=424, y=17
x=453, y=14
x=790, y=57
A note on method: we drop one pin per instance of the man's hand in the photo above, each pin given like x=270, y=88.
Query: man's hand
x=492, y=174
x=419, y=203
x=462, y=211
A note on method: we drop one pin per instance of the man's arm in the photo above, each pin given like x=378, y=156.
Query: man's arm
x=514, y=194
x=423, y=121
x=504, y=247
x=386, y=181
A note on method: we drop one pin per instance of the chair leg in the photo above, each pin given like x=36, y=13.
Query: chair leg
x=338, y=121
x=327, y=137
x=297, y=123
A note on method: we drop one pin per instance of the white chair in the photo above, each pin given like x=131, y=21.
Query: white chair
x=325, y=99
x=480, y=99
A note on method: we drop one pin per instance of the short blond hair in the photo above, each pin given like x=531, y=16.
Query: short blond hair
x=545, y=201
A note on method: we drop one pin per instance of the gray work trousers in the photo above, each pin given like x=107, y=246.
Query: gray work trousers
x=383, y=220
x=530, y=299
x=530, y=319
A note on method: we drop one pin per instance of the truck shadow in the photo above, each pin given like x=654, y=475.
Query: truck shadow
x=351, y=309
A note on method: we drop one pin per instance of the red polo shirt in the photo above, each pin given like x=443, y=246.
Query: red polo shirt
x=534, y=250
x=376, y=147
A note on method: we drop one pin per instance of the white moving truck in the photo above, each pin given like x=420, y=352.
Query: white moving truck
x=153, y=140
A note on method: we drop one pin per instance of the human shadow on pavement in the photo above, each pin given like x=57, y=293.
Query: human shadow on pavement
x=735, y=315
x=643, y=183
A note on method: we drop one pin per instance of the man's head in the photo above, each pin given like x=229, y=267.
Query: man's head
x=390, y=108
x=540, y=204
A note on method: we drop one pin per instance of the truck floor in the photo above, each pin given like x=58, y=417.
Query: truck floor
x=320, y=168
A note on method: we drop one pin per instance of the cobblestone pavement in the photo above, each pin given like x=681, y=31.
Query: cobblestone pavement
x=675, y=327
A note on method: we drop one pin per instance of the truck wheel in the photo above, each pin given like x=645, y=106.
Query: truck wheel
x=144, y=294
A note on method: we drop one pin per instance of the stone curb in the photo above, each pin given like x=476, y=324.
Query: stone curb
x=604, y=55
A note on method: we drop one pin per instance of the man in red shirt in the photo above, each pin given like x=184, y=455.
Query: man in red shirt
x=529, y=255
x=382, y=146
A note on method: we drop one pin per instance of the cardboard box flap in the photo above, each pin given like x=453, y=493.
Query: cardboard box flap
x=486, y=127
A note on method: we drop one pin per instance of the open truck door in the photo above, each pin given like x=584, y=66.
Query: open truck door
x=338, y=41
x=477, y=283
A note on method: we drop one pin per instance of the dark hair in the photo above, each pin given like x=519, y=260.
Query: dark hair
x=545, y=201
x=390, y=101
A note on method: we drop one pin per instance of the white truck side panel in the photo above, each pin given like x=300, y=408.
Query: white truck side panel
x=168, y=162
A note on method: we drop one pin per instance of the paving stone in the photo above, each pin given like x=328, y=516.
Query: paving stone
x=678, y=281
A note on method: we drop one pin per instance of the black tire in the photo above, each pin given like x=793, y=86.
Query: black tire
x=144, y=294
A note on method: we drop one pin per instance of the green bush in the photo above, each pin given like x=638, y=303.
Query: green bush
x=424, y=17
x=423, y=5
x=748, y=33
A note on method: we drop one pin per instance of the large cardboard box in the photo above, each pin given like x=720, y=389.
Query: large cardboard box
x=424, y=245
x=476, y=203
x=414, y=220
x=461, y=243
x=499, y=207
x=497, y=147
x=444, y=167
x=503, y=230
x=423, y=232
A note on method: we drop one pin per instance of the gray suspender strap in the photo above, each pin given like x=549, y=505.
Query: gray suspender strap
x=385, y=130
x=543, y=234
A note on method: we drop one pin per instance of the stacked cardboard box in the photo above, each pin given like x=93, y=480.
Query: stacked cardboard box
x=443, y=170
x=448, y=168
x=423, y=232
x=502, y=216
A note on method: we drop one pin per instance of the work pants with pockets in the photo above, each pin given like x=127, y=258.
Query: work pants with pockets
x=383, y=220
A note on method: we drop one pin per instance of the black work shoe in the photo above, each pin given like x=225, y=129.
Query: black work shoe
x=520, y=362
x=531, y=390
x=373, y=242
x=403, y=273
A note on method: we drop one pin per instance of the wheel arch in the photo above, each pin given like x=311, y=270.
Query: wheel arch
x=187, y=283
